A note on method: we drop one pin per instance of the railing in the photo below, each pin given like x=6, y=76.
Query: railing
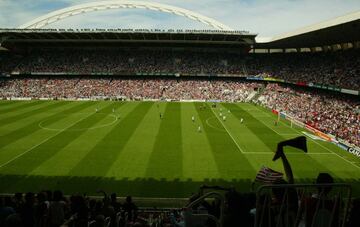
x=189, y=214
x=302, y=205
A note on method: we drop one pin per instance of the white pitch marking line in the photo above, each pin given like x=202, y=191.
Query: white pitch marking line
x=241, y=150
x=289, y=134
x=321, y=153
x=331, y=152
x=207, y=122
x=335, y=154
x=33, y=147
x=82, y=129
x=280, y=134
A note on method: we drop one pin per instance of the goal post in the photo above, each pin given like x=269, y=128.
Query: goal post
x=281, y=115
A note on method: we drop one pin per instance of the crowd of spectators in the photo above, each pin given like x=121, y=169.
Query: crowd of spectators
x=331, y=113
x=83, y=61
x=52, y=209
x=81, y=87
x=300, y=205
x=339, y=69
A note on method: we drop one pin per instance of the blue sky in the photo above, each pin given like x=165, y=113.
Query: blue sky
x=265, y=17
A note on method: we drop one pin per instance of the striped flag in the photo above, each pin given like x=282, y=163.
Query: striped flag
x=267, y=175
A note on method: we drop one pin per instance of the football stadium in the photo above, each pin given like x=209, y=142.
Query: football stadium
x=179, y=127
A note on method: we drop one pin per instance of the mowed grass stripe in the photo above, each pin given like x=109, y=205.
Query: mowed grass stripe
x=56, y=112
x=284, y=124
x=73, y=153
x=317, y=146
x=198, y=161
x=142, y=141
x=166, y=157
x=20, y=106
x=269, y=120
x=33, y=127
x=35, y=157
x=265, y=134
x=99, y=160
x=46, y=106
x=38, y=104
x=26, y=138
x=244, y=137
x=8, y=103
x=229, y=160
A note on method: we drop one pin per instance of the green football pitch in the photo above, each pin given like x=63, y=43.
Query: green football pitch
x=125, y=147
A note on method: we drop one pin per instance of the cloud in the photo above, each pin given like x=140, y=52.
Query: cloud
x=267, y=18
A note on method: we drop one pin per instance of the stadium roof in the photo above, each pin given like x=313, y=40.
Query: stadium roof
x=342, y=29
x=128, y=36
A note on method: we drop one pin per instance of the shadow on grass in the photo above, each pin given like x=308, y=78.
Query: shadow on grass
x=139, y=187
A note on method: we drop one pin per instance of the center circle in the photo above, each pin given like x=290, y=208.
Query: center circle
x=78, y=117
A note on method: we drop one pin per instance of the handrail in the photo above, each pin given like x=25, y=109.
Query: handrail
x=219, y=221
x=344, y=197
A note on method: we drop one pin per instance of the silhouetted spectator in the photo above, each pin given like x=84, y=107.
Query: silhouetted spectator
x=130, y=208
x=5, y=211
x=57, y=210
x=28, y=210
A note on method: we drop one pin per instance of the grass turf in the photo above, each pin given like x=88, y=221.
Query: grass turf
x=69, y=146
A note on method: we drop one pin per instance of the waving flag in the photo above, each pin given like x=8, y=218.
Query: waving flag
x=267, y=175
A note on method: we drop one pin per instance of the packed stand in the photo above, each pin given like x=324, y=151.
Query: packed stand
x=82, y=87
x=84, y=62
x=339, y=69
x=331, y=113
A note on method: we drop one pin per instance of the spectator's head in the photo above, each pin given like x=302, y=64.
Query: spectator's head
x=279, y=192
x=100, y=220
x=48, y=194
x=13, y=220
x=324, y=178
x=92, y=204
x=232, y=201
x=57, y=195
x=41, y=197
x=18, y=196
x=8, y=201
x=113, y=197
x=128, y=199
x=29, y=198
